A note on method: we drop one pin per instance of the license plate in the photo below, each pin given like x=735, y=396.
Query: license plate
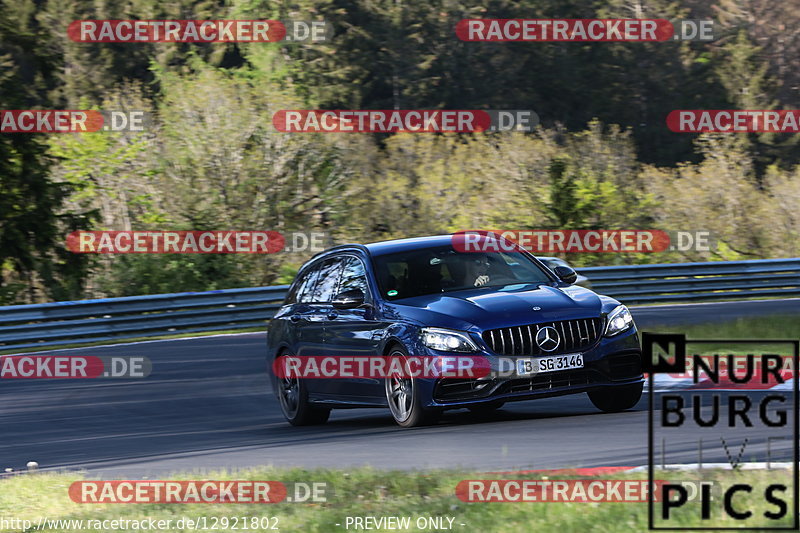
x=551, y=363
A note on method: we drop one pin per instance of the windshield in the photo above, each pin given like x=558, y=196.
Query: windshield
x=443, y=269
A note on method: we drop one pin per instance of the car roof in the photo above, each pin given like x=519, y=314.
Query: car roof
x=397, y=245
x=387, y=247
x=402, y=245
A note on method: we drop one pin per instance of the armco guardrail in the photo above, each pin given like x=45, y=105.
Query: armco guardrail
x=697, y=281
x=26, y=326
x=52, y=324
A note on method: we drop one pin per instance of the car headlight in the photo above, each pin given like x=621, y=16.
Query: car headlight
x=446, y=340
x=619, y=320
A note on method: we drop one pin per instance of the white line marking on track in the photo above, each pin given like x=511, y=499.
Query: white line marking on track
x=138, y=342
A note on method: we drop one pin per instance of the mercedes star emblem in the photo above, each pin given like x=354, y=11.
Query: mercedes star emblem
x=547, y=338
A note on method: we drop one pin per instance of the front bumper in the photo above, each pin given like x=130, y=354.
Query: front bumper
x=610, y=362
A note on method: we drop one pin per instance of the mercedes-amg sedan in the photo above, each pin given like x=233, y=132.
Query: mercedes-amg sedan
x=428, y=297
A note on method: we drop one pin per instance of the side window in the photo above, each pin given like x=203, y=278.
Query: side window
x=291, y=296
x=304, y=286
x=354, y=276
x=328, y=280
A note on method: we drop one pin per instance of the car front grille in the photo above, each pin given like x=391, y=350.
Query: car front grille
x=575, y=335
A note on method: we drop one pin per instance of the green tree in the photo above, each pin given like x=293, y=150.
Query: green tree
x=33, y=224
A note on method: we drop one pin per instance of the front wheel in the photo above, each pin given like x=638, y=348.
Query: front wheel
x=404, y=400
x=293, y=396
x=616, y=399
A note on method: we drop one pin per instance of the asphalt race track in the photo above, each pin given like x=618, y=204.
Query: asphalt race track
x=207, y=405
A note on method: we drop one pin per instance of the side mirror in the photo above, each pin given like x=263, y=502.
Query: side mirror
x=566, y=274
x=349, y=299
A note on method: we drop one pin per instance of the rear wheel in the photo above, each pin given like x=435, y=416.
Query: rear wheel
x=293, y=396
x=404, y=399
x=616, y=399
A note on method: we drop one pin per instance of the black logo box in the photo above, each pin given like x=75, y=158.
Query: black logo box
x=664, y=340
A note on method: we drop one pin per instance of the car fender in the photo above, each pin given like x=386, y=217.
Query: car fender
x=399, y=333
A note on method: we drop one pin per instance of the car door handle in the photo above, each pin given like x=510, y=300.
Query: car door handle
x=332, y=315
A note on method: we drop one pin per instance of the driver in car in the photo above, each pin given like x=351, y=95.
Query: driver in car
x=477, y=271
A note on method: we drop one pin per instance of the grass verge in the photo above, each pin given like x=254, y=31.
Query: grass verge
x=777, y=327
x=370, y=492
x=758, y=327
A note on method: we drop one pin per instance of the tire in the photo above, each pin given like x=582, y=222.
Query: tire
x=405, y=403
x=293, y=397
x=486, y=408
x=616, y=399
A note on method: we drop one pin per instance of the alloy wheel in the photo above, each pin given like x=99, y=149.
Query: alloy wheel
x=400, y=393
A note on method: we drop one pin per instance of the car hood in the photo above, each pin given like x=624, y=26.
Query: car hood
x=500, y=307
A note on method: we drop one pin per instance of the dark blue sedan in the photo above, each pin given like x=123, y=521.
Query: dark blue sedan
x=427, y=297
